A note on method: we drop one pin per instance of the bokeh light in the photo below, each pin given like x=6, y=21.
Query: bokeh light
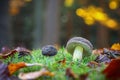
x=68, y=3
x=15, y=6
x=94, y=14
x=113, y=4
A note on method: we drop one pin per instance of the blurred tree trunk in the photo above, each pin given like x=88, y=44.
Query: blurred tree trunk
x=119, y=36
x=38, y=16
x=102, y=31
x=86, y=31
x=23, y=27
x=5, y=28
x=69, y=26
x=52, y=26
x=18, y=30
x=102, y=37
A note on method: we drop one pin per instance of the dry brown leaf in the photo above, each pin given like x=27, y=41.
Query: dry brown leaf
x=71, y=74
x=6, y=52
x=63, y=62
x=106, y=55
x=103, y=58
x=5, y=55
x=111, y=53
x=22, y=49
x=35, y=75
x=93, y=64
x=83, y=76
x=97, y=51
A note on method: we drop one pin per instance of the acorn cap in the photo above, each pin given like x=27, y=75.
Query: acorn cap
x=82, y=42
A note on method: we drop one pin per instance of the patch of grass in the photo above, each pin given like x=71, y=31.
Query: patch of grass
x=53, y=65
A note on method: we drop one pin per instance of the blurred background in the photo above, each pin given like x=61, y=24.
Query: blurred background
x=34, y=23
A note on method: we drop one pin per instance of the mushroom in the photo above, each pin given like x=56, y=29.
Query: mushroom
x=79, y=47
x=49, y=50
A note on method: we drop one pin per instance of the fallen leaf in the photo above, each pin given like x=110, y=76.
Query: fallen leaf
x=5, y=55
x=35, y=75
x=93, y=64
x=97, y=51
x=63, y=62
x=4, y=72
x=83, y=76
x=6, y=52
x=103, y=58
x=107, y=55
x=112, y=71
x=116, y=46
x=22, y=51
x=13, y=67
x=69, y=73
x=112, y=54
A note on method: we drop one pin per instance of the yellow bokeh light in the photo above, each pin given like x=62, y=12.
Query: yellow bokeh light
x=92, y=14
x=14, y=11
x=100, y=16
x=111, y=24
x=28, y=0
x=89, y=20
x=68, y=3
x=91, y=9
x=80, y=12
x=113, y=4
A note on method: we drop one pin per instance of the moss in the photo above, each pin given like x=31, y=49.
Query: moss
x=58, y=68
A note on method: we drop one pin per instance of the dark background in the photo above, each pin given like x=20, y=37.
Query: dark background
x=34, y=23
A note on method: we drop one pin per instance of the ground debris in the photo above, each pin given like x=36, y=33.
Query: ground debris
x=112, y=71
x=4, y=72
x=35, y=75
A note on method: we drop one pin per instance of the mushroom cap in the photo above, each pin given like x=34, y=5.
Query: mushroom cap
x=79, y=41
x=49, y=50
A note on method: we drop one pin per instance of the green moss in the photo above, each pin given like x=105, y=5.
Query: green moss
x=53, y=65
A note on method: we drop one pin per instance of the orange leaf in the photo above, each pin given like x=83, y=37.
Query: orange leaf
x=13, y=67
x=115, y=46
